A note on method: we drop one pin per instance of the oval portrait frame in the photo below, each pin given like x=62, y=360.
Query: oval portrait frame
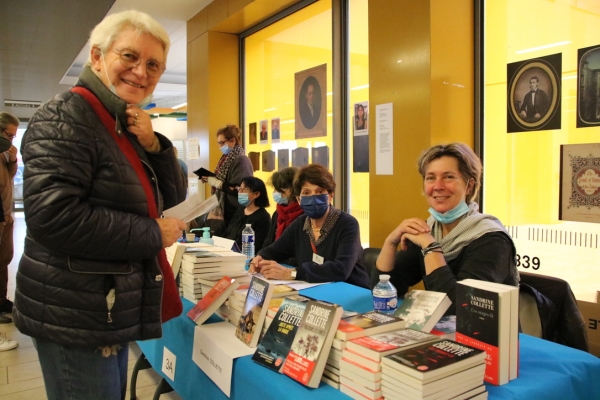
x=554, y=101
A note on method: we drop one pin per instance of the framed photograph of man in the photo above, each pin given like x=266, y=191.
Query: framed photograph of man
x=252, y=133
x=275, y=133
x=588, y=87
x=534, y=94
x=264, y=131
x=311, y=102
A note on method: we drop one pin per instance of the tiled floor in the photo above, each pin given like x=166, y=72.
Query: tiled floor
x=20, y=372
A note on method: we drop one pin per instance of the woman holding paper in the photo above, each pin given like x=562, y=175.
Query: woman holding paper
x=324, y=241
x=457, y=241
x=232, y=167
x=94, y=274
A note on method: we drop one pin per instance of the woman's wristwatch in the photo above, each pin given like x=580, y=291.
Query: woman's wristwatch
x=293, y=273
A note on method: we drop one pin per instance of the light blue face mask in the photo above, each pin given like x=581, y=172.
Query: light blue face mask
x=280, y=200
x=450, y=216
x=225, y=149
x=243, y=199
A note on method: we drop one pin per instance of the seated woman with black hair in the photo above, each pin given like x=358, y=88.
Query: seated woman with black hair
x=252, y=196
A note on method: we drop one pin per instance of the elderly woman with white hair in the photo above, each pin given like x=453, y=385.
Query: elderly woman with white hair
x=94, y=274
x=457, y=241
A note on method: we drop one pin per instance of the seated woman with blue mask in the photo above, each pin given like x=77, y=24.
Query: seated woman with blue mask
x=457, y=242
x=324, y=241
x=253, y=199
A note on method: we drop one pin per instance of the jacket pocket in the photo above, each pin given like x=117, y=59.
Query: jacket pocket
x=84, y=266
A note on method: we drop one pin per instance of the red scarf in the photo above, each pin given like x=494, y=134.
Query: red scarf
x=286, y=215
x=171, y=302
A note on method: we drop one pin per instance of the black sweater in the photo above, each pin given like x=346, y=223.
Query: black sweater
x=341, y=251
x=489, y=258
x=260, y=221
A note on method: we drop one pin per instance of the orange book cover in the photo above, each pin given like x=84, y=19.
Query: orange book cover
x=212, y=300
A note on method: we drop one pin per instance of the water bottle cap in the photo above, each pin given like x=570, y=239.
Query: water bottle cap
x=247, y=225
x=384, y=277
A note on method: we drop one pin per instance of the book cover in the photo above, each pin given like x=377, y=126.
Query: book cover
x=483, y=321
x=368, y=323
x=422, y=309
x=376, y=346
x=310, y=349
x=253, y=314
x=274, y=347
x=212, y=300
x=432, y=361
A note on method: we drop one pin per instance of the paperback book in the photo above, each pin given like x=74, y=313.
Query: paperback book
x=376, y=346
x=365, y=324
x=311, y=346
x=274, y=347
x=422, y=309
x=212, y=300
x=254, y=312
x=487, y=319
x=432, y=361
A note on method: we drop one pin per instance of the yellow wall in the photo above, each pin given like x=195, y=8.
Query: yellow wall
x=431, y=90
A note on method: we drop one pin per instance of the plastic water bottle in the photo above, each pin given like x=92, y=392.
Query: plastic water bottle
x=385, y=296
x=248, y=244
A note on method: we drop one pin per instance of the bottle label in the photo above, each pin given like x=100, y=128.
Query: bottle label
x=385, y=304
x=247, y=238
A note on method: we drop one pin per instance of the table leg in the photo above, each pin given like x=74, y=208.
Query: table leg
x=163, y=387
x=140, y=364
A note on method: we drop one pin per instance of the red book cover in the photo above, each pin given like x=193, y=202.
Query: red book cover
x=212, y=300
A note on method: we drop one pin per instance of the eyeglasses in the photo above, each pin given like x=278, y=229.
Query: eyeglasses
x=129, y=59
x=223, y=142
x=10, y=136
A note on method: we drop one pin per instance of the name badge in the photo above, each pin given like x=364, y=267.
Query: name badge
x=317, y=259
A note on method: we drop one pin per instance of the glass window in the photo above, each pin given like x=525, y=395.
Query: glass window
x=537, y=46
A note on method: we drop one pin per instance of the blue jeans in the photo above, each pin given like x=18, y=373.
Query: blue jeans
x=81, y=373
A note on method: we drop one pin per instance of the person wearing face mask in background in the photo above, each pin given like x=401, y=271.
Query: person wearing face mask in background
x=457, y=242
x=94, y=275
x=253, y=199
x=231, y=168
x=325, y=241
x=288, y=208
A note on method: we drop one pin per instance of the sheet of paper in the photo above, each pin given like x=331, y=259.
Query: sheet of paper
x=384, y=138
x=298, y=285
x=215, y=348
x=194, y=206
x=193, y=149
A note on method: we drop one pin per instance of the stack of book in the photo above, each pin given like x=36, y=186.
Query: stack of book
x=207, y=265
x=487, y=318
x=360, y=373
x=444, y=369
x=357, y=326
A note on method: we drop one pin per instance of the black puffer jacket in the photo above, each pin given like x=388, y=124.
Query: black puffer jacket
x=88, y=229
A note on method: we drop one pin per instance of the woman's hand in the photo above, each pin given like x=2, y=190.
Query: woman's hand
x=273, y=270
x=422, y=240
x=412, y=226
x=140, y=125
x=255, y=265
x=170, y=230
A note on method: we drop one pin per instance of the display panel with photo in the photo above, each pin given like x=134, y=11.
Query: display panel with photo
x=264, y=131
x=275, y=133
x=534, y=94
x=588, y=87
x=360, y=142
x=311, y=102
x=252, y=133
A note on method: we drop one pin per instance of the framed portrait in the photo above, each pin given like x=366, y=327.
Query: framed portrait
x=264, y=131
x=311, y=102
x=275, y=133
x=580, y=182
x=534, y=94
x=252, y=133
x=588, y=96
x=360, y=140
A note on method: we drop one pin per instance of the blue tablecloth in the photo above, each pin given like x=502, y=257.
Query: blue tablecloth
x=547, y=370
